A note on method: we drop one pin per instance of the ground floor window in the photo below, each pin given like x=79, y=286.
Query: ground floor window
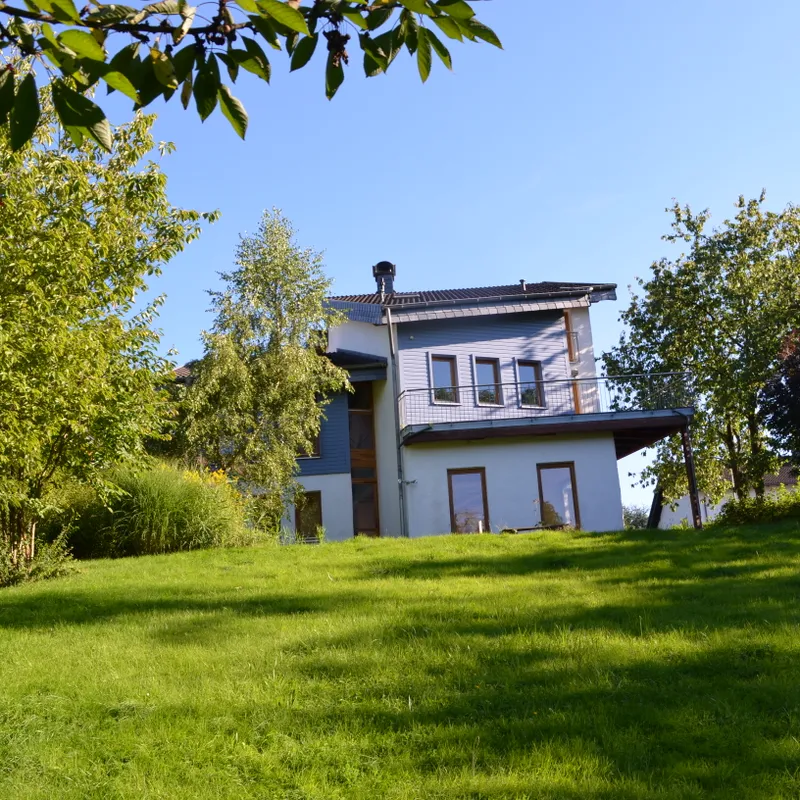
x=308, y=516
x=469, y=511
x=558, y=496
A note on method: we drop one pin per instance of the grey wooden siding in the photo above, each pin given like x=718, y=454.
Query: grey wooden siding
x=334, y=444
x=535, y=336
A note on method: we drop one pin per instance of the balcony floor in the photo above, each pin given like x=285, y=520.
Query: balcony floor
x=633, y=430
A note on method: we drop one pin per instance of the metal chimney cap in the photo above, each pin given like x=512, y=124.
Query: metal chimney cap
x=384, y=268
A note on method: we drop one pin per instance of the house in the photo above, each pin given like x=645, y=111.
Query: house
x=477, y=410
x=665, y=516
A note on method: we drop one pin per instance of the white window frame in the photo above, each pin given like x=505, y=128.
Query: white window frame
x=454, y=358
x=474, y=359
x=519, y=382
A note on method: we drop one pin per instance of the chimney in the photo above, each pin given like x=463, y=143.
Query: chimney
x=523, y=284
x=384, y=272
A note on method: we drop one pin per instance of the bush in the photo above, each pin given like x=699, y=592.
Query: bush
x=635, y=517
x=783, y=504
x=158, y=510
x=52, y=560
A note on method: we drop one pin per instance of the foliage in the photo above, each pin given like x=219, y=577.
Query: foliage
x=780, y=399
x=721, y=313
x=175, y=49
x=772, y=507
x=259, y=392
x=51, y=560
x=79, y=368
x=555, y=665
x=162, y=509
x=635, y=517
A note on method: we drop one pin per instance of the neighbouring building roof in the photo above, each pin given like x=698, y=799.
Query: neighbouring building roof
x=535, y=290
x=364, y=363
x=785, y=477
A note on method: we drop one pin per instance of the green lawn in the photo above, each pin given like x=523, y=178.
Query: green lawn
x=659, y=664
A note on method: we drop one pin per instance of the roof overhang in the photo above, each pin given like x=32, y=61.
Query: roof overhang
x=632, y=430
x=400, y=315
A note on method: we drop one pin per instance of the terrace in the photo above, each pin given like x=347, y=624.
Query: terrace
x=638, y=409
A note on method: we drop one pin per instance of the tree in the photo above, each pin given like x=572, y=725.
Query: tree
x=720, y=313
x=634, y=517
x=174, y=51
x=780, y=400
x=79, y=367
x=258, y=394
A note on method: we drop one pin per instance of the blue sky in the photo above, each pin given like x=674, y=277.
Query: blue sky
x=551, y=160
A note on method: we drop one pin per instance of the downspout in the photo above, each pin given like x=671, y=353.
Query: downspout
x=401, y=484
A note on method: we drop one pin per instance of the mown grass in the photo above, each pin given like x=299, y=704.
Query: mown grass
x=636, y=665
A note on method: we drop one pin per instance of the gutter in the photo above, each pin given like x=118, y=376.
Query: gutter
x=474, y=300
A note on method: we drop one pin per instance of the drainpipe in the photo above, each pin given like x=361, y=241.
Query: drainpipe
x=401, y=484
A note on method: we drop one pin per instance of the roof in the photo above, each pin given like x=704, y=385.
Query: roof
x=350, y=359
x=785, y=477
x=478, y=293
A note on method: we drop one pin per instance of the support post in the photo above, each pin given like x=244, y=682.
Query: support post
x=694, y=496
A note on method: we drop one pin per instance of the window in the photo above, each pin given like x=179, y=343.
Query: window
x=469, y=511
x=315, y=451
x=557, y=495
x=308, y=516
x=573, y=349
x=445, y=383
x=531, y=390
x=487, y=377
x=365, y=509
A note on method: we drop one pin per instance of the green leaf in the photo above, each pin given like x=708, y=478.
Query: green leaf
x=183, y=62
x=418, y=7
x=78, y=111
x=116, y=80
x=165, y=7
x=24, y=113
x=356, y=18
x=82, y=43
x=228, y=60
x=449, y=27
x=408, y=30
x=6, y=94
x=186, y=91
x=206, y=86
x=455, y=8
x=285, y=14
x=472, y=28
x=264, y=27
x=248, y=5
x=65, y=11
x=377, y=18
x=181, y=30
x=424, y=56
x=334, y=75
x=303, y=52
x=163, y=69
x=233, y=110
x=109, y=14
x=441, y=50
x=256, y=61
x=49, y=34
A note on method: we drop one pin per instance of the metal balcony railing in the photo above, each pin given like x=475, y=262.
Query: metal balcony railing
x=510, y=401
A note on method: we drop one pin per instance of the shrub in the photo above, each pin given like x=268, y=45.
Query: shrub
x=158, y=510
x=635, y=517
x=52, y=559
x=783, y=504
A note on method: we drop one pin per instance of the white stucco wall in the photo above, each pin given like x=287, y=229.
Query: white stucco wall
x=364, y=337
x=511, y=480
x=586, y=365
x=337, y=504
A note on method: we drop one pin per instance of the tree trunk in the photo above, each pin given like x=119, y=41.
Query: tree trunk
x=739, y=484
x=755, y=450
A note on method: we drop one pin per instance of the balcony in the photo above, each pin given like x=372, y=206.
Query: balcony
x=638, y=409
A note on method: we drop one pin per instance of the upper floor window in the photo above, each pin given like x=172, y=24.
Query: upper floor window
x=531, y=389
x=487, y=377
x=444, y=377
x=314, y=452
